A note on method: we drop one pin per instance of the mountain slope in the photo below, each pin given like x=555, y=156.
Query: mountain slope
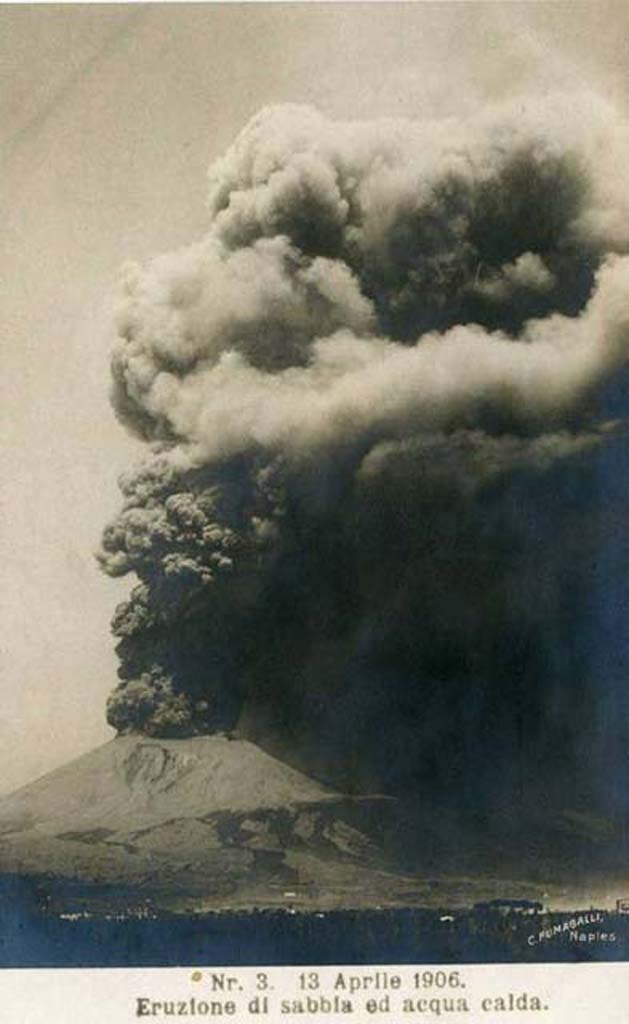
x=134, y=780
x=209, y=819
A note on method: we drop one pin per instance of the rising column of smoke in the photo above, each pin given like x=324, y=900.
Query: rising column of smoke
x=371, y=392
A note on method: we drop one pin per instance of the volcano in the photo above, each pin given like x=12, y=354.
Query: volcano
x=213, y=823
x=202, y=823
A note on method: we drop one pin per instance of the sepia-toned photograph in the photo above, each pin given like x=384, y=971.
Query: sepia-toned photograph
x=315, y=527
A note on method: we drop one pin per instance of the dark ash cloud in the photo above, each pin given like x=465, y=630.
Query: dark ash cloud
x=373, y=395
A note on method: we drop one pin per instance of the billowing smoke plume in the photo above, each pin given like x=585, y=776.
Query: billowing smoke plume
x=373, y=392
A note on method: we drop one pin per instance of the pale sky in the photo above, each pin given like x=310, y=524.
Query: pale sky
x=109, y=116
